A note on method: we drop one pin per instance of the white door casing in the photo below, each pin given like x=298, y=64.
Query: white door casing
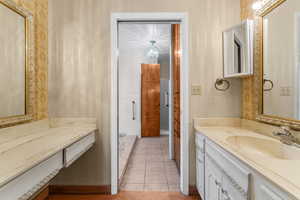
x=297, y=66
x=182, y=18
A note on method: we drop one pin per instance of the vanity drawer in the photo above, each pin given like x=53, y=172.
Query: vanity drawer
x=233, y=171
x=73, y=152
x=25, y=185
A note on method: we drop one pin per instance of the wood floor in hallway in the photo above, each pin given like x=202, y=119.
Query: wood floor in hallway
x=128, y=196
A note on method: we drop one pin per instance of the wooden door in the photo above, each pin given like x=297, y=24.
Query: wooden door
x=150, y=100
x=176, y=90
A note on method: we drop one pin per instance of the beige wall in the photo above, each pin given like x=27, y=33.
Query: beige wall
x=79, y=68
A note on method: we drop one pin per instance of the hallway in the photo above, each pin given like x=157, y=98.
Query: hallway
x=150, y=169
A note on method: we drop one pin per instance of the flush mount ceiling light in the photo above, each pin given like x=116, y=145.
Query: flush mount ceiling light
x=257, y=5
x=152, y=53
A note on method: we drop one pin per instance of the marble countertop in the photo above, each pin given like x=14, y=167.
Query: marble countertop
x=23, y=147
x=283, y=173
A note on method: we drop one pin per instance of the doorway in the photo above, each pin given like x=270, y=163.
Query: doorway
x=144, y=101
x=136, y=108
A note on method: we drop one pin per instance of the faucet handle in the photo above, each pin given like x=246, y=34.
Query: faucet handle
x=284, y=131
x=287, y=130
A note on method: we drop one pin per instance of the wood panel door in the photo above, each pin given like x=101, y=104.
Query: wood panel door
x=150, y=100
x=176, y=90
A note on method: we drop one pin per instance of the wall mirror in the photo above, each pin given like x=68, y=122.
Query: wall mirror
x=16, y=68
x=238, y=50
x=279, y=77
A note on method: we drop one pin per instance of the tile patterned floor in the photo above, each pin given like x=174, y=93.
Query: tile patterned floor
x=150, y=169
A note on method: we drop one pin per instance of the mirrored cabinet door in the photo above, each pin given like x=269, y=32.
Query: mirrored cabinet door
x=238, y=50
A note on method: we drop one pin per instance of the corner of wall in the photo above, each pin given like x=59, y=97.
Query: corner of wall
x=248, y=107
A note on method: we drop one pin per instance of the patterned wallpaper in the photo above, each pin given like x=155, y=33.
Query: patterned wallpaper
x=248, y=105
x=39, y=9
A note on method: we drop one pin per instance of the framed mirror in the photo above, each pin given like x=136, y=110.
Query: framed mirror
x=238, y=50
x=278, y=82
x=17, y=64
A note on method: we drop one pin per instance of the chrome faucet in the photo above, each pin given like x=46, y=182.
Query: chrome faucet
x=286, y=136
x=284, y=131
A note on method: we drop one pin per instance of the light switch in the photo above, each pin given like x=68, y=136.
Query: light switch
x=196, y=90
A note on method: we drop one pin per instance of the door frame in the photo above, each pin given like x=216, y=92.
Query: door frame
x=182, y=18
x=297, y=66
x=171, y=100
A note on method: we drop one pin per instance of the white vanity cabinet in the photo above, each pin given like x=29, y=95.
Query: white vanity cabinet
x=225, y=178
x=213, y=181
x=265, y=190
x=200, y=163
x=28, y=182
x=73, y=152
x=222, y=176
x=25, y=185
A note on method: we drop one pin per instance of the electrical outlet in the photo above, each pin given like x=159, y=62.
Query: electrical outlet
x=196, y=90
x=285, y=91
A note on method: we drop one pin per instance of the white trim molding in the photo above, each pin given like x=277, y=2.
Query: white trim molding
x=181, y=18
x=297, y=66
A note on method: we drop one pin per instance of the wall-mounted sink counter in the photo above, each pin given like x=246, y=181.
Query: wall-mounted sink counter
x=32, y=154
x=273, y=167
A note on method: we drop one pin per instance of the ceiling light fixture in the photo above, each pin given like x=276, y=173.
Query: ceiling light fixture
x=257, y=5
x=152, y=53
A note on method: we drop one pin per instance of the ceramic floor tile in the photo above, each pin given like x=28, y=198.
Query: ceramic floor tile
x=154, y=163
x=149, y=167
x=133, y=166
x=135, y=173
x=155, y=173
x=173, y=179
x=156, y=180
x=132, y=187
x=155, y=158
x=174, y=188
x=156, y=187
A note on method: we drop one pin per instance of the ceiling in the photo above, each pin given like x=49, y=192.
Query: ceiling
x=139, y=35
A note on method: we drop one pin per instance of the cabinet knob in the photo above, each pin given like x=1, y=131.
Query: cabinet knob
x=217, y=183
x=225, y=194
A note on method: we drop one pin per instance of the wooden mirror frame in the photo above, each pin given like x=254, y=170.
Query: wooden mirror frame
x=29, y=68
x=267, y=7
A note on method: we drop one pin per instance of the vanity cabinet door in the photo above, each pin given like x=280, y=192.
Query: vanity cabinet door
x=213, y=181
x=200, y=172
x=268, y=194
x=231, y=191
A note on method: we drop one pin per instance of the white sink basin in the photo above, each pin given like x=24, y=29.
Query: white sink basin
x=264, y=147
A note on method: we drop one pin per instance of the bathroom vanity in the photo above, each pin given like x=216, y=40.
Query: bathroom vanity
x=235, y=162
x=32, y=154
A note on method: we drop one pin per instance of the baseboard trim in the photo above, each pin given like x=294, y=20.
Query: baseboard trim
x=193, y=191
x=92, y=189
x=42, y=194
x=79, y=189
